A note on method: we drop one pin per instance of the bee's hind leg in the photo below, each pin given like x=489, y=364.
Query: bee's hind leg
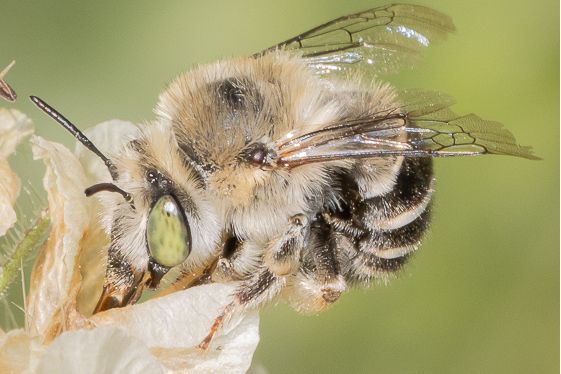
x=281, y=259
x=319, y=282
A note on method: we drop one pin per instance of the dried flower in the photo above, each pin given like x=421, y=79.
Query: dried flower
x=160, y=335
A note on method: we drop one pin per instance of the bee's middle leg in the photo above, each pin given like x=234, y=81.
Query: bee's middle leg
x=281, y=259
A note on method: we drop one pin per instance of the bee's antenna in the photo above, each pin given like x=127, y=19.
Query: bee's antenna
x=110, y=187
x=79, y=135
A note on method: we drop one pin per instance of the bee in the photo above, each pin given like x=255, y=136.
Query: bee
x=295, y=172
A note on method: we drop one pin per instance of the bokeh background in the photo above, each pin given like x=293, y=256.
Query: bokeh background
x=482, y=296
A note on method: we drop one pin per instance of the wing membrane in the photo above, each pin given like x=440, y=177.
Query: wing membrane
x=379, y=40
x=446, y=134
x=422, y=127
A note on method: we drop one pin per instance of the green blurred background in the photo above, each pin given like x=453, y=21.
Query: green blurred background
x=482, y=296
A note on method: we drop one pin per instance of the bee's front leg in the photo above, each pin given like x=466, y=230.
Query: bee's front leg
x=281, y=259
x=123, y=283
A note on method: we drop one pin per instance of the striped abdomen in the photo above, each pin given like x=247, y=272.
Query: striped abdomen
x=382, y=226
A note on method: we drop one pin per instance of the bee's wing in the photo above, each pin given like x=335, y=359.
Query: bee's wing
x=423, y=126
x=379, y=40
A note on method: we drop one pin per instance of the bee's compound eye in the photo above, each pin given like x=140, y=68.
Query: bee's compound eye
x=167, y=232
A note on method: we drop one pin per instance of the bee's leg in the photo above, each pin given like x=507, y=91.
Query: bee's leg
x=260, y=288
x=123, y=283
x=237, y=260
x=281, y=259
x=319, y=282
x=282, y=255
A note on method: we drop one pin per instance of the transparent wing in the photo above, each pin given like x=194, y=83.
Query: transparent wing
x=379, y=40
x=423, y=126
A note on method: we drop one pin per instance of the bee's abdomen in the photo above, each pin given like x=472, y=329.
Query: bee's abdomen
x=384, y=230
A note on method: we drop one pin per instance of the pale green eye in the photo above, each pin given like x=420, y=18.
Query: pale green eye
x=167, y=232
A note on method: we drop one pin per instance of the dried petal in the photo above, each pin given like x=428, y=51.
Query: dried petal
x=77, y=239
x=159, y=335
x=14, y=126
x=53, y=285
x=110, y=137
x=9, y=191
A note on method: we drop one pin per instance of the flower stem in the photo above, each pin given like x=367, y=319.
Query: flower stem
x=23, y=248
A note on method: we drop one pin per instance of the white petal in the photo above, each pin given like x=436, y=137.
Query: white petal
x=100, y=351
x=174, y=325
x=110, y=137
x=158, y=336
x=19, y=352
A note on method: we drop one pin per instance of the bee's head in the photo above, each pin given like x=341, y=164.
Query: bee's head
x=172, y=223
x=158, y=215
